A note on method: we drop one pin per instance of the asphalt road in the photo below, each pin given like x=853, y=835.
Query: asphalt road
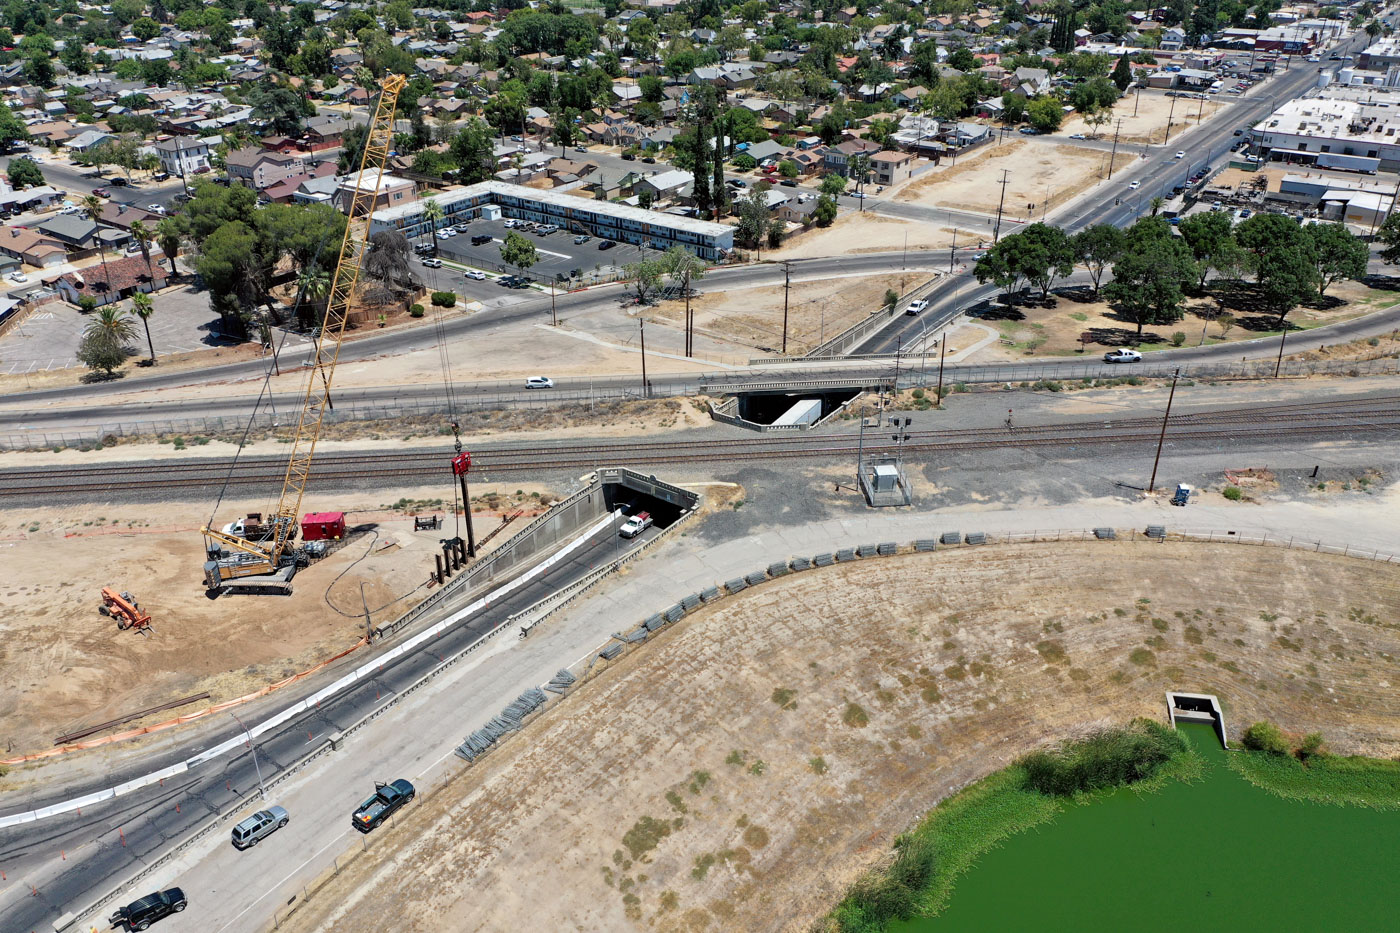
x=114, y=840
x=79, y=182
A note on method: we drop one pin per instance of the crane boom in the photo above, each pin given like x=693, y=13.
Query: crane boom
x=266, y=556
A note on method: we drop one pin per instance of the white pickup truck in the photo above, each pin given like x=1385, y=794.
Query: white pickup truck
x=635, y=525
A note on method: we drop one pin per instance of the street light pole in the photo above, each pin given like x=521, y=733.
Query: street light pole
x=1282, y=338
x=942, y=351
x=641, y=327
x=996, y=231
x=262, y=792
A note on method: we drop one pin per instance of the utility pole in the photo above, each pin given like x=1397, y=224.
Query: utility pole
x=996, y=231
x=553, y=311
x=262, y=791
x=787, y=284
x=1200, y=109
x=952, y=252
x=942, y=352
x=1136, y=98
x=646, y=386
x=1113, y=155
x=1171, y=110
x=1152, y=483
x=1282, y=338
x=689, y=324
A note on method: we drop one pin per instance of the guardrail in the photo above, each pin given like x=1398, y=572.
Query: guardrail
x=863, y=330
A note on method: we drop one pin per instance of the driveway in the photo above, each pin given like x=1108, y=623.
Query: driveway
x=48, y=338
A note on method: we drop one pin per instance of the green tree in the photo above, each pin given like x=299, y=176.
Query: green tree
x=473, y=152
x=962, y=59
x=833, y=185
x=1266, y=737
x=518, y=251
x=1045, y=114
x=753, y=214
x=1208, y=234
x=1039, y=254
x=645, y=277
x=1096, y=248
x=1147, y=277
x=281, y=108
x=1094, y=94
x=776, y=231
x=143, y=237
x=105, y=338
x=12, y=128
x=825, y=212
x=143, y=308
x=25, y=172
x=1339, y=254
x=92, y=206
x=38, y=68
x=168, y=235
x=788, y=169
x=1013, y=107
x=1122, y=73
x=1284, y=262
x=145, y=29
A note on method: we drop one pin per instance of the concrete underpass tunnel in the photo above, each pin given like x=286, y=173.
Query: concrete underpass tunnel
x=634, y=492
x=792, y=407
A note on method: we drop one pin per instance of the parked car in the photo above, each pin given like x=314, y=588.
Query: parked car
x=788, y=182
x=138, y=915
x=916, y=308
x=432, y=263
x=509, y=223
x=580, y=149
x=738, y=183
x=1077, y=136
x=446, y=233
x=539, y=382
x=102, y=192
x=476, y=275
x=160, y=176
x=1122, y=355
x=387, y=799
x=607, y=244
x=581, y=238
x=259, y=826
x=156, y=208
x=479, y=238
x=628, y=157
x=17, y=277
x=649, y=160
x=116, y=181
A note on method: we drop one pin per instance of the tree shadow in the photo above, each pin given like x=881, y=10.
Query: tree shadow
x=1122, y=336
x=94, y=377
x=1390, y=283
x=1258, y=323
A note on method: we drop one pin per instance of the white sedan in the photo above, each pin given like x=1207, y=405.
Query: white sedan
x=1134, y=185
x=446, y=233
x=17, y=277
x=1181, y=153
x=476, y=275
x=156, y=208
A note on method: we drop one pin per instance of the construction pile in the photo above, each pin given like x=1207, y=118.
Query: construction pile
x=510, y=720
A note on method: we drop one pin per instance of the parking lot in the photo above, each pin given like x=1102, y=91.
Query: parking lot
x=558, y=253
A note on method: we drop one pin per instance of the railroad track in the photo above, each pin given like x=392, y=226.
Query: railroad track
x=1298, y=420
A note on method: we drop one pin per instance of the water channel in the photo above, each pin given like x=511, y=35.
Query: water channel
x=1217, y=854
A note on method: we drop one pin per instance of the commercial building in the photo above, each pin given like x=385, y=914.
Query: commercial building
x=1340, y=130
x=602, y=219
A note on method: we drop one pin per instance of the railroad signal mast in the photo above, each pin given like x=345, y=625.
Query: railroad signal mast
x=233, y=558
x=461, y=463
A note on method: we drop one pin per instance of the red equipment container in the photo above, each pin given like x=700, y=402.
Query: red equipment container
x=319, y=526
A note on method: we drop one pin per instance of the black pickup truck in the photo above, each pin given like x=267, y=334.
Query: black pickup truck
x=386, y=800
x=138, y=915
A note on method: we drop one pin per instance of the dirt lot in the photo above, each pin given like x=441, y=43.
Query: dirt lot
x=867, y=232
x=1150, y=124
x=1038, y=169
x=740, y=771
x=67, y=667
x=753, y=317
x=1031, y=330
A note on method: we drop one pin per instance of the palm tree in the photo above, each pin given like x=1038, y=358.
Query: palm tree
x=111, y=325
x=315, y=285
x=143, y=237
x=92, y=206
x=432, y=213
x=169, y=236
x=1156, y=205
x=143, y=308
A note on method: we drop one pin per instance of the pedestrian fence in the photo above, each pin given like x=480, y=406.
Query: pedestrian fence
x=861, y=331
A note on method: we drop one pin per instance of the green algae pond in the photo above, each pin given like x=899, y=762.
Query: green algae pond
x=1217, y=853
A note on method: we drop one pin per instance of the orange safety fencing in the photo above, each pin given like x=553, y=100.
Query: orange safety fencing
x=180, y=720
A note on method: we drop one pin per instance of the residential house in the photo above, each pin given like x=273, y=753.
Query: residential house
x=1173, y=39
x=325, y=132
x=664, y=184
x=837, y=158
x=119, y=215
x=82, y=236
x=767, y=151
x=182, y=156
x=256, y=168
x=30, y=246
x=88, y=140
x=794, y=211
x=111, y=281
x=393, y=190
x=891, y=167
x=1030, y=82
x=909, y=97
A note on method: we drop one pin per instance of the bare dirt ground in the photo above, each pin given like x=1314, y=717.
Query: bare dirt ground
x=1366, y=348
x=1038, y=170
x=66, y=666
x=1032, y=330
x=1150, y=124
x=867, y=232
x=753, y=317
x=742, y=769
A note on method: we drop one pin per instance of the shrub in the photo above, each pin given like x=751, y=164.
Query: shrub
x=1105, y=759
x=416, y=311
x=1233, y=493
x=1373, y=342
x=917, y=393
x=1266, y=737
x=1178, y=338
x=893, y=894
x=444, y=299
x=87, y=303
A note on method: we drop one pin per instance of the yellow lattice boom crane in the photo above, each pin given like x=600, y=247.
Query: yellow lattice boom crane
x=273, y=559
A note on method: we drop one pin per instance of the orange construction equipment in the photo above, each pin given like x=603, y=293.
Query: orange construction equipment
x=125, y=609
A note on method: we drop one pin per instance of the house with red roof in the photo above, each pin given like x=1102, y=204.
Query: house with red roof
x=111, y=281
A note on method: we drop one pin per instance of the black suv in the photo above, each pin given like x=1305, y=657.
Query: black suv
x=138, y=915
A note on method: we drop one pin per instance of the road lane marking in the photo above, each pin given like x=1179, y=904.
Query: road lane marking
x=284, y=880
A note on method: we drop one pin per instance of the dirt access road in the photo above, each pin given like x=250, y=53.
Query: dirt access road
x=738, y=772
